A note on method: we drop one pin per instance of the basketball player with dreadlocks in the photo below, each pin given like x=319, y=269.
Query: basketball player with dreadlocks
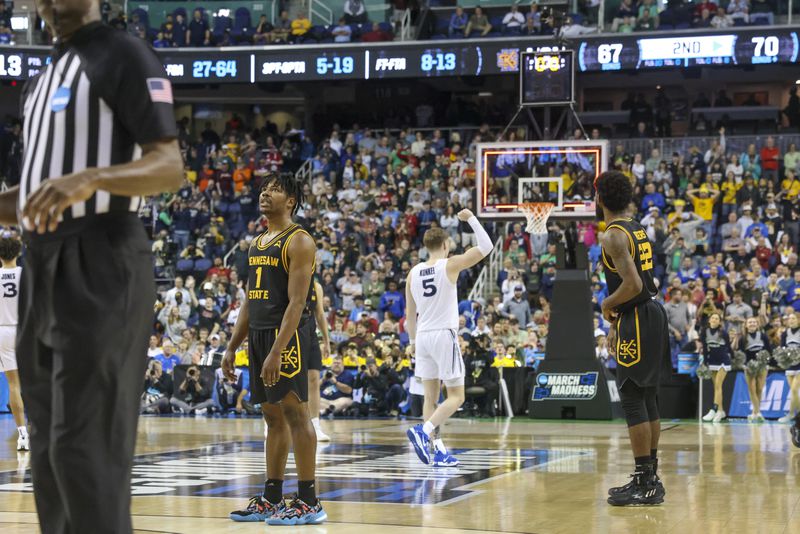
x=638, y=335
x=274, y=318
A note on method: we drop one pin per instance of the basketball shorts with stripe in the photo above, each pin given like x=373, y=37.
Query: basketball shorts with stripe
x=642, y=344
x=438, y=357
x=294, y=368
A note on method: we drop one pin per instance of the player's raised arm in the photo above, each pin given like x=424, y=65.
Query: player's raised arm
x=301, y=262
x=411, y=312
x=617, y=245
x=474, y=255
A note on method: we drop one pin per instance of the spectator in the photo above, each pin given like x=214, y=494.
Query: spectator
x=167, y=359
x=336, y=388
x=769, y=160
x=721, y=19
x=230, y=394
x=478, y=22
x=300, y=27
x=376, y=35
x=263, y=30
x=282, y=29
x=342, y=33
x=513, y=20
x=198, y=33
x=458, y=23
x=393, y=301
x=739, y=10
x=762, y=13
x=192, y=396
x=518, y=307
x=355, y=12
x=157, y=389
x=533, y=20
x=626, y=10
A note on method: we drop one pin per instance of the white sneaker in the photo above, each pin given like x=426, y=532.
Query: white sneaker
x=759, y=418
x=788, y=418
x=23, y=443
x=751, y=418
x=710, y=415
x=719, y=416
x=321, y=436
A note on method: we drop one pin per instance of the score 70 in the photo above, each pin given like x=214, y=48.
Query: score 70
x=608, y=53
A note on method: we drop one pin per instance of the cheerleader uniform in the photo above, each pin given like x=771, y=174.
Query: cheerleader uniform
x=717, y=349
x=755, y=343
x=791, y=338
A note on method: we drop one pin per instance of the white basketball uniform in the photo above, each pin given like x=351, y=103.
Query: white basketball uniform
x=9, y=298
x=438, y=356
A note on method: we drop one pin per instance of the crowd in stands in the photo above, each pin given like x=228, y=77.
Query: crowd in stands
x=196, y=27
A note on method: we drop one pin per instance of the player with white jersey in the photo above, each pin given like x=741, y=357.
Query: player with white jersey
x=10, y=248
x=432, y=326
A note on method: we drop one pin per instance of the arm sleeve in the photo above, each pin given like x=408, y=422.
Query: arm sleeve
x=485, y=244
x=142, y=95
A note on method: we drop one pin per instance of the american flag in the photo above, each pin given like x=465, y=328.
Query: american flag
x=160, y=90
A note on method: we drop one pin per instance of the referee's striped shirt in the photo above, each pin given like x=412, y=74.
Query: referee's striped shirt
x=103, y=96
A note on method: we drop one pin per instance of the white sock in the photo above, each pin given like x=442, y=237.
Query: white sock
x=438, y=445
x=315, y=422
x=23, y=431
x=428, y=428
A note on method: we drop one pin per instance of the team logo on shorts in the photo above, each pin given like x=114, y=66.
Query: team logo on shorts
x=628, y=353
x=565, y=386
x=290, y=361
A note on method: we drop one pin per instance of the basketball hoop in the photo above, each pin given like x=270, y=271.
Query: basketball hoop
x=537, y=214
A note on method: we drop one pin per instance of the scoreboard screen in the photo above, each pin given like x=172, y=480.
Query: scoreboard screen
x=547, y=78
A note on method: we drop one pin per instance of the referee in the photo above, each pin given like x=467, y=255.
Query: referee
x=99, y=133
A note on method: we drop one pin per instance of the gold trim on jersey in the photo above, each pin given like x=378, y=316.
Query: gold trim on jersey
x=272, y=241
x=285, y=257
x=290, y=359
x=607, y=261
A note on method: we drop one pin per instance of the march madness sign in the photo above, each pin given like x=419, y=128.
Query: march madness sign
x=565, y=386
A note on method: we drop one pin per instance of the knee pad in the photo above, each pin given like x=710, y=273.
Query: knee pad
x=633, y=404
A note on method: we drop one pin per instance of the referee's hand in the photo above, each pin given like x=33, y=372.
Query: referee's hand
x=46, y=205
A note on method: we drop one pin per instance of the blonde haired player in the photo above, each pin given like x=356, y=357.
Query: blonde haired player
x=10, y=248
x=432, y=325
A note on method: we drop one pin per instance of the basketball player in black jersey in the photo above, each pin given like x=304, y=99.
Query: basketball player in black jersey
x=638, y=335
x=274, y=318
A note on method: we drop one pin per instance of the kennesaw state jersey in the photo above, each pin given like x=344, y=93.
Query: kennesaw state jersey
x=642, y=251
x=268, y=280
x=9, y=280
x=435, y=296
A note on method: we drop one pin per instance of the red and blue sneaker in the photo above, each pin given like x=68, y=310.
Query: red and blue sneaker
x=421, y=443
x=299, y=513
x=258, y=509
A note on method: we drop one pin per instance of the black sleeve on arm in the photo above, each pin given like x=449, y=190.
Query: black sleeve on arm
x=142, y=93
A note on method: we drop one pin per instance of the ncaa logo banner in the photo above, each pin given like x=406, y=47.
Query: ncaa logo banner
x=565, y=386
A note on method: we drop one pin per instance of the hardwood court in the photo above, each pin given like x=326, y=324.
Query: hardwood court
x=519, y=476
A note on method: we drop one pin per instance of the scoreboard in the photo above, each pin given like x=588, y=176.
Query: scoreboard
x=470, y=57
x=547, y=78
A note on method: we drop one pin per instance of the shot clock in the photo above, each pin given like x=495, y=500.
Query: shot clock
x=547, y=78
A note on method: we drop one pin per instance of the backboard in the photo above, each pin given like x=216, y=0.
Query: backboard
x=561, y=172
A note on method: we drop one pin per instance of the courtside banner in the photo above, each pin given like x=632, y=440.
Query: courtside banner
x=774, y=402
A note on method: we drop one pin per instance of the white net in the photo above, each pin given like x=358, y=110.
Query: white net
x=537, y=214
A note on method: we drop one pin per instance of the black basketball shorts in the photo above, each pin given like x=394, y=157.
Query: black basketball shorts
x=642, y=344
x=314, y=351
x=294, y=368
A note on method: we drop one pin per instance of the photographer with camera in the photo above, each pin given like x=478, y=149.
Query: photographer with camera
x=192, y=395
x=482, y=381
x=376, y=387
x=157, y=389
x=396, y=378
x=336, y=388
x=230, y=394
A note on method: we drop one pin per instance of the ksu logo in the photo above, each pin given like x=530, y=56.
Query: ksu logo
x=565, y=386
x=390, y=63
x=508, y=60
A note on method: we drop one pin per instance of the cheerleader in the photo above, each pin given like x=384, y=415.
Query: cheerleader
x=752, y=341
x=717, y=355
x=791, y=338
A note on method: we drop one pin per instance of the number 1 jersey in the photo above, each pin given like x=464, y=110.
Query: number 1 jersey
x=436, y=297
x=9, y=279
x=642, y=251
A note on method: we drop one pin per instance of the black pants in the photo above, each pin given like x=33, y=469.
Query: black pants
x=86, y=306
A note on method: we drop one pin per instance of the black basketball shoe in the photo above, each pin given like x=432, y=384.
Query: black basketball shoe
x=644, y=489
x=796, y=434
